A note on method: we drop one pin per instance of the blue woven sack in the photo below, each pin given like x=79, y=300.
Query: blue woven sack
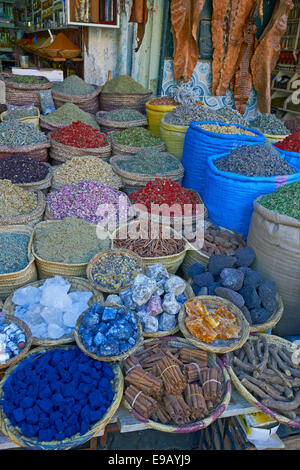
x=200, y=144
x=293, y=158
x=229, y=196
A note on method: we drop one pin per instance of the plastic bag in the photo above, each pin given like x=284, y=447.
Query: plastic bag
x=46, y=100
x=11, y=107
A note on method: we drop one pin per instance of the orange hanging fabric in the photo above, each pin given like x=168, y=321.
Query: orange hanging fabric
x=185, y=19
x=139, y=15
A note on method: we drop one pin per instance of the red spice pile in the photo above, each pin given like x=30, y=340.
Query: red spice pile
x=80, y=135
x=163, y=100
x=290, y=143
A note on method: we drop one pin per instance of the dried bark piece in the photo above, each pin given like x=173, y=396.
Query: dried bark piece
x=220, y=10
x=139, y=15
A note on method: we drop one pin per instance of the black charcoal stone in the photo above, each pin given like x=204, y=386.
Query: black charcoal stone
x=204, y=279
x=232, y=278
x=245, y=257
x=217, y=263
x=259, y=315
x=251, y=297
x=230, y=295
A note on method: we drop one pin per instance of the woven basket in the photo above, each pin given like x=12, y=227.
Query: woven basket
x=189, y=293
x=171, y=262
x=98, y=257
x=217, y=346
x=30, y=219
x=29, y=120
x=120, y=357
x=47, y=127
x=37, y=151
x=118, y=149
x=39, y=185
x=271, y=339
x=21, y=94
x=12, y=281
x=110, y=101
x=201, y=424
x=88, y=103
x=62, y=153
x=5, y=318
x=136, y=181
x=272, y=321
x=76, y=284
x=106, y=125
x=14, y=433
x=51, y=268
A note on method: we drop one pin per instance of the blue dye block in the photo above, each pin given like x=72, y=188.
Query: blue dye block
x=109, y=313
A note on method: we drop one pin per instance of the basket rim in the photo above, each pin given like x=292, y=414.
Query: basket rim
x=197, y=425
x=123, y=124
x=228, y=345
x=143, y=93
x=85, y=97
x=103, y=149
x=67, y=338
x=227, y=360
x=31, y=216
x=130, y=149
x=119, y=357
x=112, y=251
x=66, y=443
x=24, y=230
x=27, y=332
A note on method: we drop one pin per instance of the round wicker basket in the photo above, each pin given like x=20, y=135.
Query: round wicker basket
x=30, y=119
x=21, y=94
x=88, y=103
x=176, y=342
x=110, y=101
x=39, y=185
x=118, y=149
x=77, y=284
x=217, y=346
x=14, y=433
x=62, y=153
x=6, y=318
x=37, y=151
x=280, y=342
x=106, y=125
x=119, y=357
x=30, y=219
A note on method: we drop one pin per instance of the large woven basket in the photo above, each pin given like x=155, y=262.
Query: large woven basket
x=5, y=318
x=100, y=255
x=280, y=342
x=189, y=293
x=120, y=357
x=118, y=149
x=135, y=181
x=41, y=185
x=21, y=94
x=171, y=262
x=177, y=342
x=62, y=153
x=37, y=151
x=217, y=346
x=88, y=103
x=47, y=127
x=29, y=120
x=106, y=125
x=51, y=268
x=77, y=283
x=14, y=433
x=30, y=219
x=110, y=101
x=12, y=281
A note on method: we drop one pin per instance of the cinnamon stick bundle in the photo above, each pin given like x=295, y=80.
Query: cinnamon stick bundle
x=131, y=363
x=193, y=371
x=193, y=355
x=143, y=404
x=171, y=375
x=177, y=408
x=160, y=415
x=144, y=381
x=196, y=402
x=209, y=382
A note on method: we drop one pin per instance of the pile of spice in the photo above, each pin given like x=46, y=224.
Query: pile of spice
x=172, y=384
x=20, y=113
x=269, y=124
x=71, y=241
x=74, y=85
x=164, y=191
x=124, y=115
x=210, y=324
x=86, y=168
x=225, y=129
x=12, y=340
x=285, y=200
x=15, y=201
x=185, y=114
x=221, y=242
x=155, y=297
x=16, y=133
x=254, y=160
x=136, y=137
x=231, y=278
x=51, y=310
x=148, y=247
x=57, y=394
x=108, y=331
x=13, y=252
x=163, y=100
x=80, y=135
x=232, y=116
x=149, y=161
x=28, y=79
x=85, y=200
x=123, y=84
x=291, y=143
x=23, y=169
x=69, y=113
x=115, y=271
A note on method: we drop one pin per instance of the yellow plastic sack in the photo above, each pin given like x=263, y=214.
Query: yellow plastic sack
x=155, y=113
x=274, y=138
x=173, y=137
